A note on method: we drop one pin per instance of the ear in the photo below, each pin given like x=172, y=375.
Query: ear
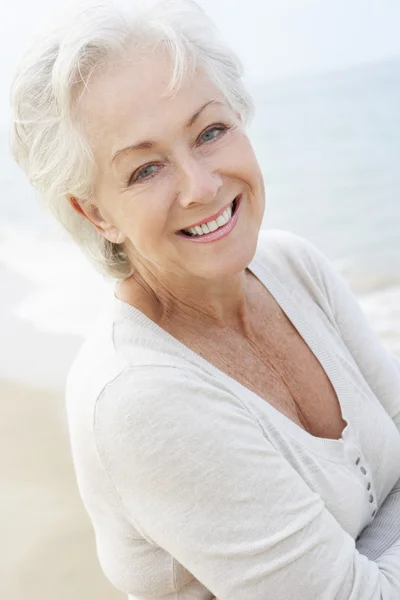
x=90, y=212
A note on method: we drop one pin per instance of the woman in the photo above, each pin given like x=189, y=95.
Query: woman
x=235, y=424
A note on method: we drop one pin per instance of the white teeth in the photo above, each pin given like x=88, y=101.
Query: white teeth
x=228, y=212
x=212, y=225
x=221, y=220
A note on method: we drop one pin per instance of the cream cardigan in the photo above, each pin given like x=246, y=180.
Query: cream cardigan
x=197, y=487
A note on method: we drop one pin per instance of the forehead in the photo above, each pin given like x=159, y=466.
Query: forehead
x=126, y=102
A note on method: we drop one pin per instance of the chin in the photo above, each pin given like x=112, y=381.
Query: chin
x=230, y=261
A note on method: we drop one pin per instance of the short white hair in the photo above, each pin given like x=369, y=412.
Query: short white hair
x=46, y=139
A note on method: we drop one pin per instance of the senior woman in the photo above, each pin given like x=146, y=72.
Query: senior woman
x=235, y=424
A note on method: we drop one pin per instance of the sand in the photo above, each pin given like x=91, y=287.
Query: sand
x=47, y=543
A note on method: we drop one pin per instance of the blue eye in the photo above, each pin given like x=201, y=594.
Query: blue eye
x=148, y=171
x=213, y=133
x=143, y=173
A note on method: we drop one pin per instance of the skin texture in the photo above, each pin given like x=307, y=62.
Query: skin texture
x=192, y=172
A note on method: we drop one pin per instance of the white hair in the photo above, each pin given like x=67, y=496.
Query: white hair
x=47, y=141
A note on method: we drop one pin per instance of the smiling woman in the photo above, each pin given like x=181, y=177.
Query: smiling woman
x=234, y=422
x=181, y=159
x=63, y=167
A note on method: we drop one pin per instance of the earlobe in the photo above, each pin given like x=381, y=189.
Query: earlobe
x=113, y=235
x=120, y=238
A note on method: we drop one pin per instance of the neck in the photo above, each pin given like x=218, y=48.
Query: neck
x=193, y=304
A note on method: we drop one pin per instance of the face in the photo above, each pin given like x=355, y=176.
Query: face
x=166, y=163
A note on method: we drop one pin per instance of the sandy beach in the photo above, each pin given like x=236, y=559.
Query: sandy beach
x=47, y=543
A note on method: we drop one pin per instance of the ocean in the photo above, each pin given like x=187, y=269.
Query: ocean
x=329, y=148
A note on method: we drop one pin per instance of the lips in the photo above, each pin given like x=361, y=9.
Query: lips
x=216, y=215
x=215, y=234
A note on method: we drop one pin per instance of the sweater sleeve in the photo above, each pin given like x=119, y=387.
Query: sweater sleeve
x=198, y=478
x=379, y=367
x=384, y=531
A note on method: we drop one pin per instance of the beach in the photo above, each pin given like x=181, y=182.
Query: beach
x=47, y=545
x=47, y=542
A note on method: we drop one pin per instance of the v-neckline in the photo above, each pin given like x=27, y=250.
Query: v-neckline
x=332, y=449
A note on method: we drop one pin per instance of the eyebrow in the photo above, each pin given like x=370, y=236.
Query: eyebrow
x=148, y=144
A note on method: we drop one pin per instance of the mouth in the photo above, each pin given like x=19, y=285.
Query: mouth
x=212, y=226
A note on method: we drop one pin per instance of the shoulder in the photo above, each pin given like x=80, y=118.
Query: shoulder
x=293, y=258
x=95, y=364
x=151, y=422
x=161, y=403
x=160, y=397
x=280, y=244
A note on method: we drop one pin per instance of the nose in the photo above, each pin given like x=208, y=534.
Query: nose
x=199, y=182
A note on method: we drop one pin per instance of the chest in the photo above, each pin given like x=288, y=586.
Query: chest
x=278, y=366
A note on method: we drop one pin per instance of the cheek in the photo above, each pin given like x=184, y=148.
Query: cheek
x=145, y=218
x=255, y=176
x=250, y=157
x=243, y=160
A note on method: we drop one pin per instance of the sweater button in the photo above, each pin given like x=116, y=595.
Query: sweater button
x=369, y=486
x=363, y=471
x=358, y=460
x=371, y=498
x=373, y=513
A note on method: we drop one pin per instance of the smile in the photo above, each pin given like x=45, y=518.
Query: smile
x=213, y=230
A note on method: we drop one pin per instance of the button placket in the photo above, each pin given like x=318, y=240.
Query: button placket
x=363, y=470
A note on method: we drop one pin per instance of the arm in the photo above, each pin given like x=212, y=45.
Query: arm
x=379, y=367
x=384, y=531
x=199, y=479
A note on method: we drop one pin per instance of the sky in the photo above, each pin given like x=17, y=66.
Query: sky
x=283, y=38
x=274, y=39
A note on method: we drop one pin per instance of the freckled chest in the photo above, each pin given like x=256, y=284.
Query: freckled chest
x=277, y=365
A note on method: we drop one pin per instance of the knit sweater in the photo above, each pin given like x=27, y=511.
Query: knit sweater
x=197, y=487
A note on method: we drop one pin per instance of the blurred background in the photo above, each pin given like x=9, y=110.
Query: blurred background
x=325, y=77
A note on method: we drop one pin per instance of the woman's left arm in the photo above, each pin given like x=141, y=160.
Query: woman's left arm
x=379, y=367
x=384, y=531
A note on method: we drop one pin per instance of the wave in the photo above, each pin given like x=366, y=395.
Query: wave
x=64, y=294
